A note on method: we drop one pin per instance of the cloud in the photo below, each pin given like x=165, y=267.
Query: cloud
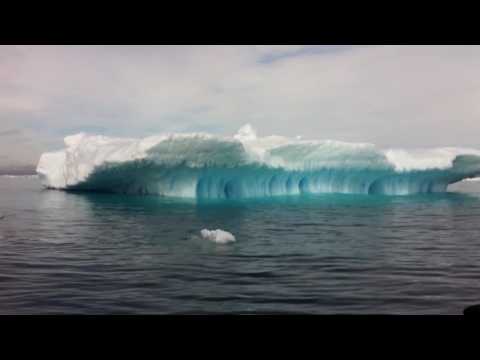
x=272, y=53
x=10, y=132
x=391, y=95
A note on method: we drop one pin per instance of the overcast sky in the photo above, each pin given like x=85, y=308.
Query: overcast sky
x=393, y=96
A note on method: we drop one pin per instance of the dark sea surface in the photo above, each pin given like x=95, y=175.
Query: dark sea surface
x=80, y=253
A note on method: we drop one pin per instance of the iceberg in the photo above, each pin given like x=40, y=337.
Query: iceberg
x=206, y=166
x=219, y=236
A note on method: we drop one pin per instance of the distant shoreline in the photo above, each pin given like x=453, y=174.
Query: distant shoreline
x=18, y=171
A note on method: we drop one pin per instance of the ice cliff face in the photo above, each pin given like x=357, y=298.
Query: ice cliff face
x=245, y=165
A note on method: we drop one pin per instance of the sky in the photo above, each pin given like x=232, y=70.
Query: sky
x=392, y=96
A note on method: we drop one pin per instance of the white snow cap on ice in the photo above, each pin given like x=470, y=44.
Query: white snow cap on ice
x=245, y=133
x=219, y=236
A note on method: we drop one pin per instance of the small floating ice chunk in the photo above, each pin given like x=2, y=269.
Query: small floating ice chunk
x=219, y=236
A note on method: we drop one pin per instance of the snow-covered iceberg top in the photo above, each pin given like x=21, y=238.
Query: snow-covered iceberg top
x=206, y=165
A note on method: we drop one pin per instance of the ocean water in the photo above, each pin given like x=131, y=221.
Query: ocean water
x=86, y=253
